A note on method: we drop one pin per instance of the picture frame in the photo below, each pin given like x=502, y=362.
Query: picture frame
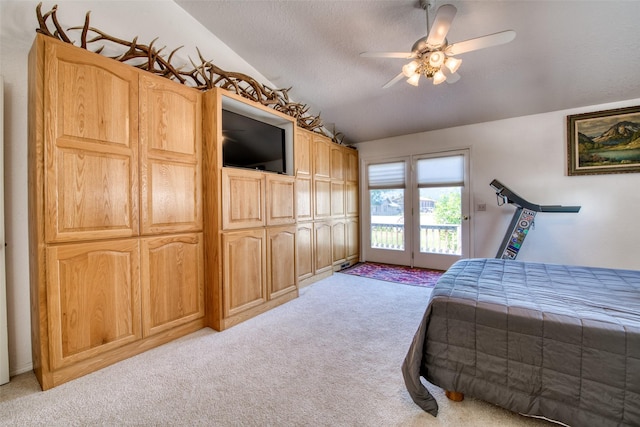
x=604, y=142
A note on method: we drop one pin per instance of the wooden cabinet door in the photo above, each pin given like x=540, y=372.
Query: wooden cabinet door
x=242, y=199
x=321, y=157
x=90, y=146
x=281, y=261
x=244, y=272
x=304, y=199
x=351, y=198
x=337, y=163
x=322, y=199
x=280, y=199
x=339, y=242
x=305, y=250
x=93, y=296
x=170, y=156
x=337, y=199
x=353, y=240
x=303, y=165
x=322, y=239
x=172, y=281
x=351, y=164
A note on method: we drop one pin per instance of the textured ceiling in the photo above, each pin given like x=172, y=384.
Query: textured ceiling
x=566, y=54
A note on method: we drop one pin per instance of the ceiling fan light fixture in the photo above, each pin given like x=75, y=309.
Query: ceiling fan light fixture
x=436, y=59
x=439, y=77
x=409, y=70
x=452, y=64
x=414, y=80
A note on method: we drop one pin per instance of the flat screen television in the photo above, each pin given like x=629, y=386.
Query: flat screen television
x=253, y=144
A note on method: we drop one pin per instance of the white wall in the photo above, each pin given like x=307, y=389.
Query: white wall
x=529, y=155
x=122, y=19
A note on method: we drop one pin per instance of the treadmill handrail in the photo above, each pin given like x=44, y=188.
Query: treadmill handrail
x=512, y=198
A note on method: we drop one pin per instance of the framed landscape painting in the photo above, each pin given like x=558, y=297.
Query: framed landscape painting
x=604, y=141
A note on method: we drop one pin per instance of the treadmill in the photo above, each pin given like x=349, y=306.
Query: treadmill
x=522, y=220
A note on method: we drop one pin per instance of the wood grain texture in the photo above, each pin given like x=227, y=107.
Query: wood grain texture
x=281, y=264
x=352, y=199
x=244, y=270
x=171, y=156
x=339, y=241
x=304, y=199
x=91, y=146
x=242, y=201
x=337, y=199
x=93, y=298
x=303, y=150
x=172, y=274
x=322, y=199
x=353, y=239
x=280, y=199
x=322, y=238
x=321, y=157
x=337, y=163
x=305, y=250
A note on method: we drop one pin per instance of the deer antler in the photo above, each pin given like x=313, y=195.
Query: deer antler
x=203, y=76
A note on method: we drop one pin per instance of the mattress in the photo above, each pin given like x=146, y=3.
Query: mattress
x=557, y=341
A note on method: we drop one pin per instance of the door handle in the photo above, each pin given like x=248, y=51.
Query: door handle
x=465, y=217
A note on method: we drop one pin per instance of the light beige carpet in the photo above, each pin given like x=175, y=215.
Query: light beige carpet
x=329, y=358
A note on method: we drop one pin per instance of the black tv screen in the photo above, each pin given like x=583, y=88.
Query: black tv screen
x=252, y=144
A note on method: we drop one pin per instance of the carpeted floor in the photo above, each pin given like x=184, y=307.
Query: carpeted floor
x=396, y=273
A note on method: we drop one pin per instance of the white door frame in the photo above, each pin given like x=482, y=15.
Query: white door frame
x=435, y=260
x=405, y=257
x=388, y=256
x=4, y=338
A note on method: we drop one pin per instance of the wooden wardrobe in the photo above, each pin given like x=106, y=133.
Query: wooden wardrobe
x=115, y=205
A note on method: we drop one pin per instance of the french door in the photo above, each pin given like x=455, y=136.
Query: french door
x=418, y=210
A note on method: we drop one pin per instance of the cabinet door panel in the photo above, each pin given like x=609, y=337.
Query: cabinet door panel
x=353, y=241
x=172, y=278
x=321, y=157
x=322, y=203
x=338, y=242
x=244, y=273
x=322, y=250
x=93, y=294
x=305, y=252
x=281, y=261
x=242, y=199
x=171, y=160
x=304, y=199
x=280, y=200
x=303, y=153
x=337, y=162
x=351, y=197
x=91, y=147
x=337, y=199
x=351, y=165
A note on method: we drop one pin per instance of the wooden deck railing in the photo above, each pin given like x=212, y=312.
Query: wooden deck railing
x=444, y=239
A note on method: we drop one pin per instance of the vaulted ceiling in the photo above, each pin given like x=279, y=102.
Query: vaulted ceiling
x=566, y=54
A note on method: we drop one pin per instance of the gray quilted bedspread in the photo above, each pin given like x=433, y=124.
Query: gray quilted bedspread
x=550, y=340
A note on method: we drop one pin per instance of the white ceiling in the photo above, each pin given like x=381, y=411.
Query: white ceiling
x=566, y=54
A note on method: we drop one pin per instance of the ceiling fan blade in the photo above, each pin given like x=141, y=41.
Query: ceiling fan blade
x=481, y=42
x=393, y=81
x=403, y=55
x=441, y=23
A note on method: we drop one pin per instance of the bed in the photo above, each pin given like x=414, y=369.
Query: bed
x=556, y=341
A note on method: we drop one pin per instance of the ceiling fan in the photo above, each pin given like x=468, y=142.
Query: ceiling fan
x=432, y=56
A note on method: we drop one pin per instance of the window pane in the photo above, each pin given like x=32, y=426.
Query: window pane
x=440, y=220
x=387, y=219
x=441, y=171
x=387, y=175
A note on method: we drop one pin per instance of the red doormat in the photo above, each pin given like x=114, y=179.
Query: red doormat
x=396, y=273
